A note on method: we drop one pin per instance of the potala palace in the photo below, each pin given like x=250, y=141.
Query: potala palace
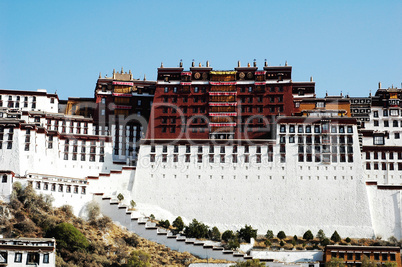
x=229, y=148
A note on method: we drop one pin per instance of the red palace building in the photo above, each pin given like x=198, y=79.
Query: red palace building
x=202, y=103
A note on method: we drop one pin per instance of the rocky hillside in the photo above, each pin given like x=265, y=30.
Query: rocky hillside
x=103, y=243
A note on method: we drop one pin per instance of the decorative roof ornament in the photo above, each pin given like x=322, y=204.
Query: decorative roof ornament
x=100, y=75
x=145, y=77
x=207, y=64
x=161, y=64
x=199, y=65
x=248, y=64
x=255, y=63
x=238, y=64
x=286, y=63
x=265, y=63
x=181, y=63
x=192, y=63
x=122, y=70
x=311, y=78
x=379, y=85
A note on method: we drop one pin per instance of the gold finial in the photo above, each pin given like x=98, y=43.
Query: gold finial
x=311, y=78
x=145, y=77
x=248, y=64
x=238, y=64
x=207, y=64
x=161, y=64
x=100, y=75
x=199, y=65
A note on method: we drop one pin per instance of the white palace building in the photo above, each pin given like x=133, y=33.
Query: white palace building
x=332, y=163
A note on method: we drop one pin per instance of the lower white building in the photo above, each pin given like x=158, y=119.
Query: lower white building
x=28, y=252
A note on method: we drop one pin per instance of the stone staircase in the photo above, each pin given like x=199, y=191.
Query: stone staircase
x=143, y=227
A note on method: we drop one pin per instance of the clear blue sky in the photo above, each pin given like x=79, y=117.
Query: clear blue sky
x=346, y=46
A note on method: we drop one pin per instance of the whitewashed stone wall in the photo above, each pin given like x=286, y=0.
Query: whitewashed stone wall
x=292, y=196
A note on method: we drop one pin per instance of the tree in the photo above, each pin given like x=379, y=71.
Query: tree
x=178, y=224
x=247, y=233
x=308, y=235
x=164, y=224
x=366, y=262
x=336, y=237
x=281, y=235
x=68, y=237
x=227, y=235
x=233, y=243
x=196, y=230
x=249, y=263
x=348, y=240
x=132, y=204
x=325, y=242
x=93, y=210
x=120, y=197
x=138, y=258
x=214, y=234
x=281, y=243
x=320, y=235
x=335, y=262
x=269, y=234
x=295, y=237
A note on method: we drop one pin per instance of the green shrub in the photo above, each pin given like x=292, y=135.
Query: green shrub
x=336, y=237
x=133, y=204
x=269, y=234
x=233, y=243
x=68, y=237
x=164, y=224
x=247, y=233
x=138, y=258
x=320, y=235
x=178, y=224
x=281, y=235
x=227, y=235
x=325, y=242
x=214, y=234
x=249, y=263
x=196, y=230
x=308, y=235
x=120, y=197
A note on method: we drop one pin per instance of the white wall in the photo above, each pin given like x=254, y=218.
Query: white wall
x=290, y=196
x=385, y=207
